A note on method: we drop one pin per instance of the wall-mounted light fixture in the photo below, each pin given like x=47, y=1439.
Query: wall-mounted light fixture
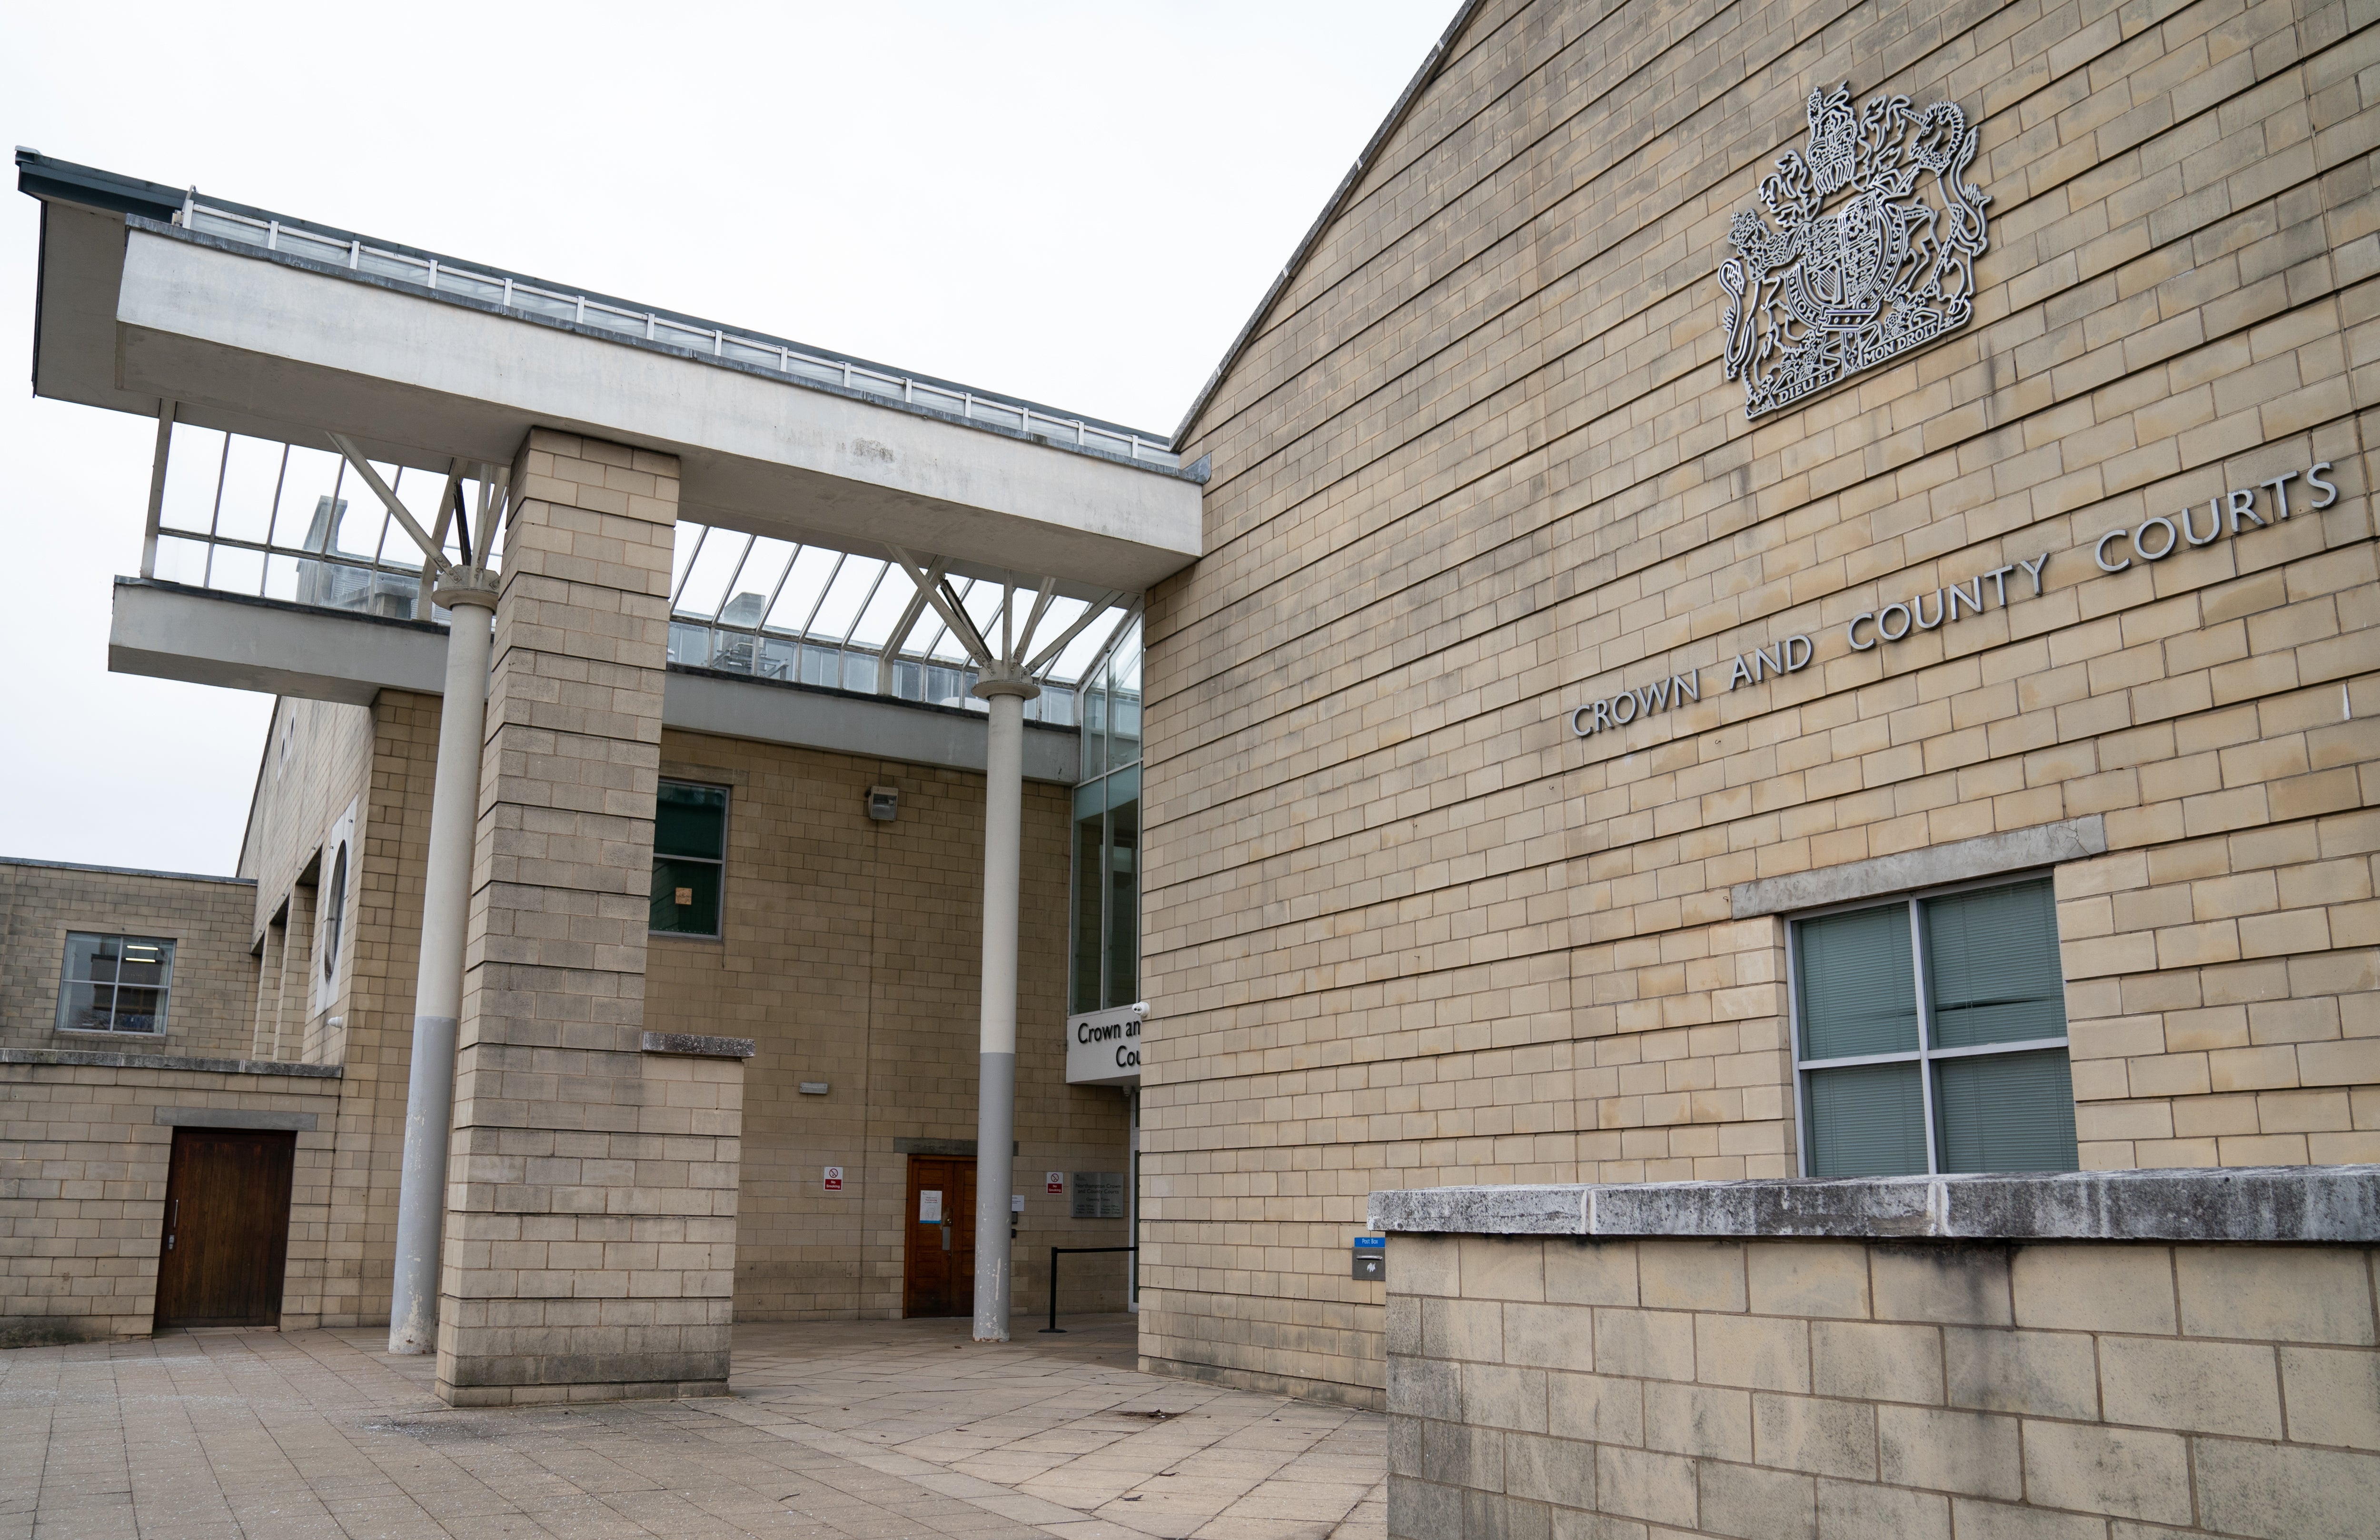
x=883, y=802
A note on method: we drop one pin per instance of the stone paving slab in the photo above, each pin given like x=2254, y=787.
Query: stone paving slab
x=841, y=1430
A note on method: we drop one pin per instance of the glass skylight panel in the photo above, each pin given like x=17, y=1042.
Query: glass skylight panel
x=192, y=469
x=764, y=565
x=706, y=585
x=251, y=474
x=983, y=605
x=805, y=584
x=1083, y=651
x=845, y=598
x=355, y=531
x=310, y=475
x=884, y=611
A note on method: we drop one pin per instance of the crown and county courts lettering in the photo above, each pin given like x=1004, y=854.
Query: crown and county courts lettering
x=2234, y=513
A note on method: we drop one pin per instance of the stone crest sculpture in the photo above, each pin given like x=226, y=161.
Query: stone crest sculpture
x=1867, y=249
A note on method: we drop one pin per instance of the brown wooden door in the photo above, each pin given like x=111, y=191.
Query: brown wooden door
x=227, y=1243
x=938, y=1263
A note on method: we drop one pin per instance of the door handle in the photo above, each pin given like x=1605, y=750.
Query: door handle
x=946, y=1234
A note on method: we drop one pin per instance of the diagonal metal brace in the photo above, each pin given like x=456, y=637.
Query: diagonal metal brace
x=396, y=510
x=937, y=595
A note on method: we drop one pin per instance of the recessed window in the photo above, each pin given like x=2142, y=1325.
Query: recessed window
x=115, y=984
x=1930, y=1034
x=690, y=858
x=334, y=915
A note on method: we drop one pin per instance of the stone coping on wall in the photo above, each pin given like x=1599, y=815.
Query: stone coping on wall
x=701, y=1047
x=168, y=1061
x=2251, y=1203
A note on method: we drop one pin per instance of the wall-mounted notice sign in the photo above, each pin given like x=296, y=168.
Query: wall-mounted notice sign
x=1056, y=1182
x=929, y=1207
x=834, y=1183
x=1017, y=1202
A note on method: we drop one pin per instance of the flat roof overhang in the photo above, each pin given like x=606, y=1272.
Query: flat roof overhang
x=202, y=636
x=133, y=312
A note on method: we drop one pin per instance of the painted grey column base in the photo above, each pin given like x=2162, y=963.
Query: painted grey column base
x=421, y=1189
x=995, y=1130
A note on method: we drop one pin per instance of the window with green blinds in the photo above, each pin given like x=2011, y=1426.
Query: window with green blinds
x=1930, y=1033
x=690, y=858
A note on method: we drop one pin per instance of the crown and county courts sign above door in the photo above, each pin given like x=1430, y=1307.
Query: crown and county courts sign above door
x=1867, y=251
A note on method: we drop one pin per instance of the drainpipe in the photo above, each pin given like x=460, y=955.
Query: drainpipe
x=468, y=595
x=1006, y=688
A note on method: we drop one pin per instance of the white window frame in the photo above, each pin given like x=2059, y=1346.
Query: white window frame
x=1926, y=1055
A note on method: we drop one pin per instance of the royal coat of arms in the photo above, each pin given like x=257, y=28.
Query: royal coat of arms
x=1864, y=255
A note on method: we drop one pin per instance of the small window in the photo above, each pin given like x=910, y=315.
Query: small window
x=115, y=984
x=1930, y=1034
x=690, y=858
x=334, y=915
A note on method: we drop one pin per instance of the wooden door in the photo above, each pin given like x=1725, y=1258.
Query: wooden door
x=938, y=1261
x=226, y=1241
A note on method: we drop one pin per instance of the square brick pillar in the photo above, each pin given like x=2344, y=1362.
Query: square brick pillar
x=589, y=1238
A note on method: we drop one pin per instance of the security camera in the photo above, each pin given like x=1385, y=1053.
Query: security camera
x=1139, y=1010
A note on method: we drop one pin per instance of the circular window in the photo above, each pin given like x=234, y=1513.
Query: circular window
x=334, y=912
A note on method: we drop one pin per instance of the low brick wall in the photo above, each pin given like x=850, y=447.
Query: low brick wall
x=84, y=1145
x=1813, y=1385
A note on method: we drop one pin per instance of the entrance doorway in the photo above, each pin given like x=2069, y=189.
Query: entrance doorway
x=938, y=1262
x=226, y=1241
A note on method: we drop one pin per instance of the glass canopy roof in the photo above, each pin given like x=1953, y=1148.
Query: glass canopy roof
x=751, y=604
x=255, y=517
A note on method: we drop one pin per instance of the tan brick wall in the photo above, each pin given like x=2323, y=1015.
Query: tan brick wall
x=1480, y=464
x=82, y=1190
x=1793, y=1388
x=212, y=997
x=851, y=957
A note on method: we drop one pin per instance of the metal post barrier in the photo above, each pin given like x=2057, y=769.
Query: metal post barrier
x=1057, y=1252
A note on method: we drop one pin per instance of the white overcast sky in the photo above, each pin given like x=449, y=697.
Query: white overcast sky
x=1078, y=204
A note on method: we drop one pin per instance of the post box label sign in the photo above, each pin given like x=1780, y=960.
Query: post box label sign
x=1056, y=1183
x=1371, y=1258
x=834, y=1183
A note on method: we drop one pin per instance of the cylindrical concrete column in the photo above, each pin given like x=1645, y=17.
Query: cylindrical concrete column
x=995, y=1117
x=468, y=595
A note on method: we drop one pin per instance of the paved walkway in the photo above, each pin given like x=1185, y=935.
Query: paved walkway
x=875, y=1429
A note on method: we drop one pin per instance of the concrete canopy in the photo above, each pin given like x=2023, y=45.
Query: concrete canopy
x=133, y=312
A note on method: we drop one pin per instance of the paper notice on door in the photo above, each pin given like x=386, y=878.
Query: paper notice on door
x=929, y=1207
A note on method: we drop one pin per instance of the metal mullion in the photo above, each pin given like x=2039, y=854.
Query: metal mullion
x=696, y=555
x=1855, y=1061
x=1924, y=1032
x=1980, y=1050
x=824, y=588
x=843, y=648
x=214, y=513
x=728, y=592
x=779, y=588
x=1794, y=1038
x=1106, y=877
x=273, y=522
x=861, y=613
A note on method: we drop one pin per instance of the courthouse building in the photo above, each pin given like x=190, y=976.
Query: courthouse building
x=1776, y=592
